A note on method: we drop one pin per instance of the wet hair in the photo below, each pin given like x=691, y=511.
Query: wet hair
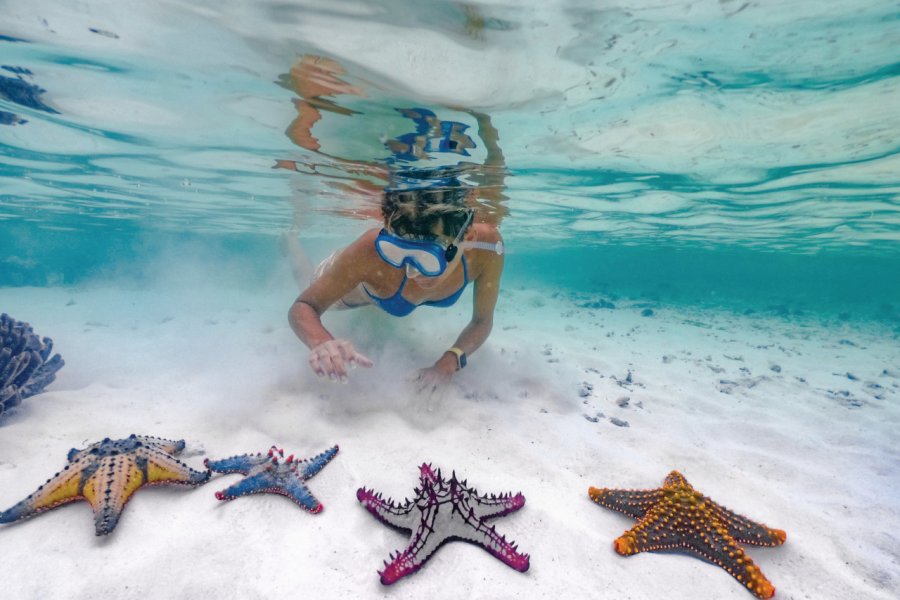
x=414, y=212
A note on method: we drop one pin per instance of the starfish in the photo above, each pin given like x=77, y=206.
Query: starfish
x=265, y=473
x=107, y=474
x=677, y=517
x=442, y=511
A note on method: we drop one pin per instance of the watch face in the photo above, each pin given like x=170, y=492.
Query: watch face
x=462, y=360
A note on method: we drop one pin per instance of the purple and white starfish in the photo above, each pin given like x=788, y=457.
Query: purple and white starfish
x=443, y=510
x=272, y=473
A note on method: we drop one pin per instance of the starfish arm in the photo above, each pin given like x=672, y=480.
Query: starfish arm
x=110, y=488
x=634, y=503
x=676, y=479
x=402, y=564
x=300, y=495
x=654, y=531
x=746, y=531
x=237, y=464
x=422, y=544
x=76, y=456
x=718, y=547
x=62, y=488
x=314, y=465
x=167, y=446
x=478, y=532
x=486, y=507
x=428, y=476
x=255, y=484
x=395, y=514
x=664, y=529
x=164, y=468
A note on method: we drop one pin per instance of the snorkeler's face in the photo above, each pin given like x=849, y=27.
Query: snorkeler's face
x=449, y=245
x=427, y=253
x=427, y=257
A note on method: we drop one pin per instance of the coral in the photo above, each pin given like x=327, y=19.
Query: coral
x=26, y=367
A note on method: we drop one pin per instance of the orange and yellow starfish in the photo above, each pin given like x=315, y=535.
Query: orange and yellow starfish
x=107, y=474
x=677, y=517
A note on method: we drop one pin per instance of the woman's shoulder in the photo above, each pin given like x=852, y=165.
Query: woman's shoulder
x=361, y=250
x=365, y=243
x=487, y=232
x=485, y=262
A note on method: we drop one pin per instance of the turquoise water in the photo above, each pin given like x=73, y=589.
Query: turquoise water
x=730, y=153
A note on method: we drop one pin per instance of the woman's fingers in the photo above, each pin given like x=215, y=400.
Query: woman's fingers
x=328, y=365
x=334, y=357
x=315, y=364
x=339, y=367
x=352, y=357
x=362, y=360
x=320, y=361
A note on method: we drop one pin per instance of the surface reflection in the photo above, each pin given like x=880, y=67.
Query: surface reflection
x=433, y=146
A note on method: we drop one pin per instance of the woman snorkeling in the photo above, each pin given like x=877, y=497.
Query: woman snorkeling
x=429, y=249
x=431, y=244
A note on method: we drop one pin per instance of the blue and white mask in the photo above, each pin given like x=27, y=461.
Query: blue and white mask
x=427, y=257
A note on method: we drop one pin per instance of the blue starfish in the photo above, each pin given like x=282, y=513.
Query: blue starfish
x=266, y=473
x=443, y=510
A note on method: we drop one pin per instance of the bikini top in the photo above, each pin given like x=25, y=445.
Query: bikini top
x=399, y=306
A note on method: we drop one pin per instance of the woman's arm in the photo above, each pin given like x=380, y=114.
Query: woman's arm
x=330, y=356
x=487, y=291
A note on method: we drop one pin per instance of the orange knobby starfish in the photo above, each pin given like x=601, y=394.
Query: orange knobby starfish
x=677, y=517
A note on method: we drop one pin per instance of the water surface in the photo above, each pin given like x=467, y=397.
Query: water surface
x=744, y=153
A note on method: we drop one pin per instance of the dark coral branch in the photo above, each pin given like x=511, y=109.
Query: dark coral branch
x=26, y=366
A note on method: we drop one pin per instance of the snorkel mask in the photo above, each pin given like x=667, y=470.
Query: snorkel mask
x=428, y=258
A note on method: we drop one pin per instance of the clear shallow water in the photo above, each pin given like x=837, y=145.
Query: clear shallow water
x=724, y=152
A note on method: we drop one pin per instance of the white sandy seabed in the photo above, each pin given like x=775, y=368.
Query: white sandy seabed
x=792, y=423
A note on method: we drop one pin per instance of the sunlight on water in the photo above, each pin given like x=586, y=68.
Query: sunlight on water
x=718, y=126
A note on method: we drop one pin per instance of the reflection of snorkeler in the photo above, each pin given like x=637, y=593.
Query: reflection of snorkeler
x=315, y=79
x=431, y=246
x=431, y=136
x=318, y=81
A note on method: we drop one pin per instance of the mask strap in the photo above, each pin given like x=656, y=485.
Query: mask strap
x=497, y=247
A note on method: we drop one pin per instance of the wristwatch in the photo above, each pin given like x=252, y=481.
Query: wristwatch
x=460, y=357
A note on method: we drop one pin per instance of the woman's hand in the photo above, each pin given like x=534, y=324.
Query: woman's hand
x=428, y=380
x=334, y=358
